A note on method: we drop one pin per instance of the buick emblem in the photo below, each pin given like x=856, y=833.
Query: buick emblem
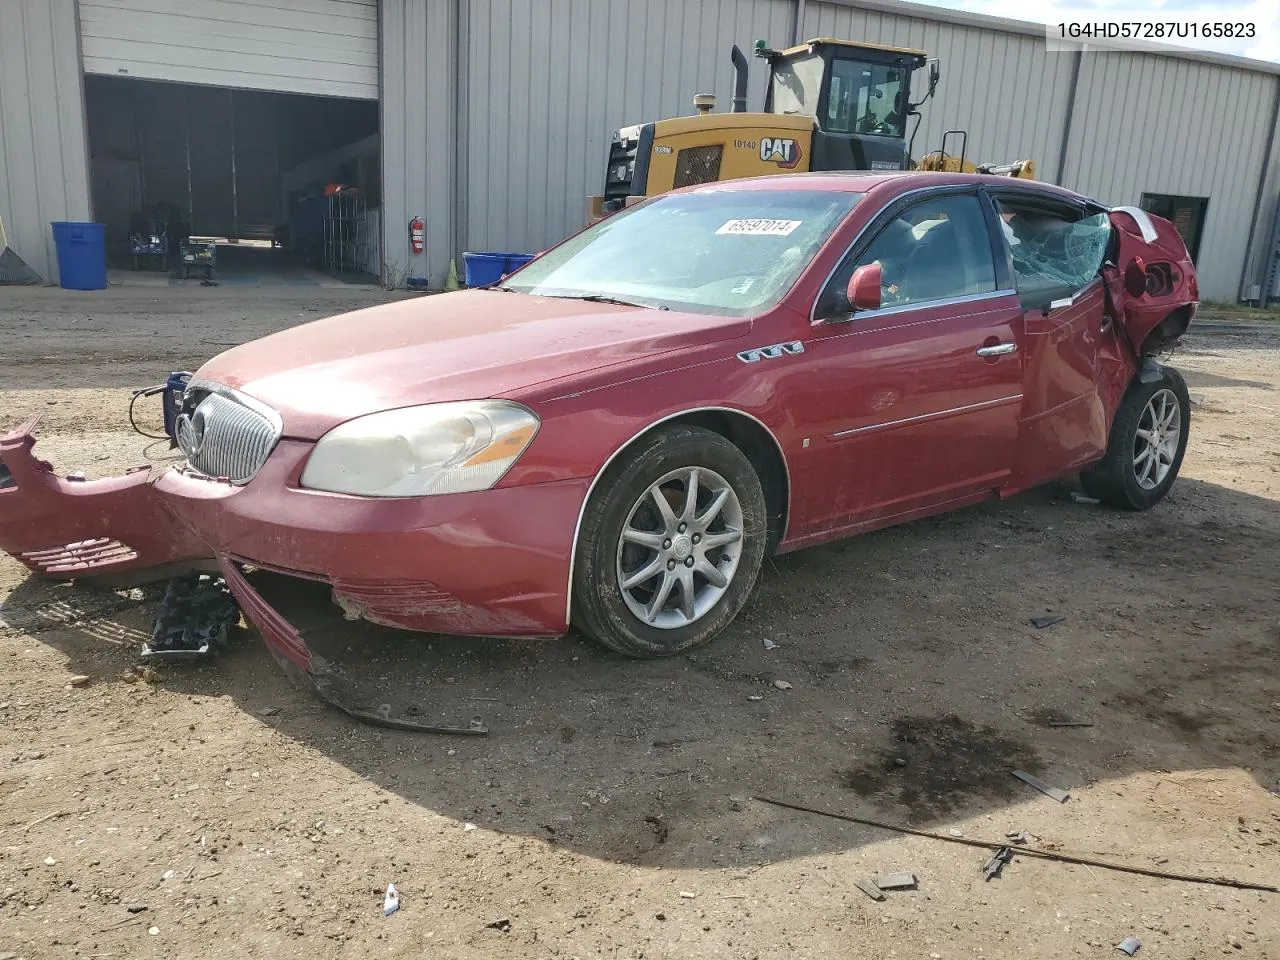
x=190, y=433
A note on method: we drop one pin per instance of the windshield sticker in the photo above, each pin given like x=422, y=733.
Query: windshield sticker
x=743, y=285
x=760, y=228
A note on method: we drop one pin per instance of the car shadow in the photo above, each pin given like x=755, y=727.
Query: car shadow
x=902, y=679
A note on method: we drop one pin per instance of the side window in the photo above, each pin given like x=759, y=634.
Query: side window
x=934, y=250
x=1055, y=251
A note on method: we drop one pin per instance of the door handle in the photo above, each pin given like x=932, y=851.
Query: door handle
x=998, y=350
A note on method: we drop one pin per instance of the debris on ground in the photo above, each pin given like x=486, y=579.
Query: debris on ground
x=769, y=644
x=1047, y=852
x=502, y=923
x=1129, y=945
x=782, y=685
x=468, y=826
x=136, y=907
x=154, y=931
x=902, y=880
x=1016, y=836
x=870, y=889
x=79, y=681
x=1070, y=723
x=1041, y=623
x=1078, y=497
x=1060, y=795
x=196, y=615
x=755, y=698
x=686, y=895
x=992, y=868
x=391, y=902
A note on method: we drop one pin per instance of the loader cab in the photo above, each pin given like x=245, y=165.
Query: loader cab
x=858, y=94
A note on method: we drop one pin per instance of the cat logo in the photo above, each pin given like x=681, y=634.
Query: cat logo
x=783, y=151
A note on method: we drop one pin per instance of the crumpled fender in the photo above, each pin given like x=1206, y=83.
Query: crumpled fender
x=67, y=529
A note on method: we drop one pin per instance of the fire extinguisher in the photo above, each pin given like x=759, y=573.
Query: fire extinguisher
x=416, y=228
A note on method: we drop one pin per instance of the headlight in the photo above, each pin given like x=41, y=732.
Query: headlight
x=421, y=451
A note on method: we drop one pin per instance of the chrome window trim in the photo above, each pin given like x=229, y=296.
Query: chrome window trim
x=922, y=305
x=582, y=510
x=1000, y=401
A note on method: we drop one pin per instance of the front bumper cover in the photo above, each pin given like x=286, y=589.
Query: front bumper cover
x=494, y=563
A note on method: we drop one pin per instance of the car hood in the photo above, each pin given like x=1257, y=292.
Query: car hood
x=455, y=346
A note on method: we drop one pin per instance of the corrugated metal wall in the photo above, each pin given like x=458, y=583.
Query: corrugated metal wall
x=43, y=158
x=1003, y=88
x=1176, y=127
x=548, y=81
x=418, y=48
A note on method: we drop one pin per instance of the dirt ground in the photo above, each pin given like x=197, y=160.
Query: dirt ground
x=240, y=817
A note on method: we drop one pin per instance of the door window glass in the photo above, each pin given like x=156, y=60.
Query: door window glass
x=935, y=250
x=865, y=98
x=1055, y=252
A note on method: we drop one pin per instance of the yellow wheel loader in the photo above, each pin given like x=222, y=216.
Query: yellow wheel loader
x=830, y=105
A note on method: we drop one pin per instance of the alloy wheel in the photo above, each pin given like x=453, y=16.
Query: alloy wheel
x=680, y=547
x=1155, y=445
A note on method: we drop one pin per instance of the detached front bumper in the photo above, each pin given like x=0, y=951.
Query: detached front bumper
x=494, y=563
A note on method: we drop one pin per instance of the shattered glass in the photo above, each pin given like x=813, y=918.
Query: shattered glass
x=1068, y=253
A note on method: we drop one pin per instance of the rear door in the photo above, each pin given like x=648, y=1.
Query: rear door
x=1055, y=252
x=916, y=404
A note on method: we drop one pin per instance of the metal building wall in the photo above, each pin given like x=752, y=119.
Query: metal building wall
x=1160, y=125
x=418, y=49
x=44, y=173
x=1003, y=88
x=548, y=81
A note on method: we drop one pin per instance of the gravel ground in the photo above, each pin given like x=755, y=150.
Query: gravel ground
x=610, y=802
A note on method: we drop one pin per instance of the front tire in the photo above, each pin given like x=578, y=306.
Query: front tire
x=671, y=544
x=1147, y=443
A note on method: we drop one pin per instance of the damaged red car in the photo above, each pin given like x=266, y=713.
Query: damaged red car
x=617, y=435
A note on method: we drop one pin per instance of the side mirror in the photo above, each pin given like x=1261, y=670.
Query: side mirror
x=864, y=287
x=1135, y=278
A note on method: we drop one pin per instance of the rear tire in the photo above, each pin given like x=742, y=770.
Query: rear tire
x=655, y=574
x=1146, y=446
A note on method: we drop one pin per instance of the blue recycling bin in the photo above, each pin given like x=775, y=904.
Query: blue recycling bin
x=482, y=269
x=82, y=255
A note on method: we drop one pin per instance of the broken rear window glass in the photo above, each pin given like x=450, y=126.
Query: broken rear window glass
x=1052, y=251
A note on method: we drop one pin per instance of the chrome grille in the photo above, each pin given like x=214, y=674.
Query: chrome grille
x=226, y=437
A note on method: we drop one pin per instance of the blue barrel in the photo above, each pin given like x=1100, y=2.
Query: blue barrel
x=82, y=255
x=483, y=269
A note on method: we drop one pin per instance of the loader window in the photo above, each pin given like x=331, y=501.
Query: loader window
x=797, y=84
x=865, y=98
x=732, y=252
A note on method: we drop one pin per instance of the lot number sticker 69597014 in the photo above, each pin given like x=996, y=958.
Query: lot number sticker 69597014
x=760, y=228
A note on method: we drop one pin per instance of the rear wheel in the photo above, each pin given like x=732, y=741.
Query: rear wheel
x=671, y=544
x=1147, y=443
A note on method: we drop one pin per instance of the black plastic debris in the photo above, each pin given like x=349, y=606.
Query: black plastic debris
x=1040, y=623
x=196, y=616
x=991, y=869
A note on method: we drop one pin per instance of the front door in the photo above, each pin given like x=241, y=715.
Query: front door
x=916, y=404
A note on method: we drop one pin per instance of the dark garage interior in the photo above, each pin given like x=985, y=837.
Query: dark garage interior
x=271, y=187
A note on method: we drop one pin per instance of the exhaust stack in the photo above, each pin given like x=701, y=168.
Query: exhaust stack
x=740, y=81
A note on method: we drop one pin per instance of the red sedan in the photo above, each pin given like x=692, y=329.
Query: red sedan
x=618, y=434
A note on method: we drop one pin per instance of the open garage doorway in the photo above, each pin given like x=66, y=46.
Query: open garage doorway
x=276, y=188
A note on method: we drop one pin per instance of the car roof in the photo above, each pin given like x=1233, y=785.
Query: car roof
x=899, y=181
